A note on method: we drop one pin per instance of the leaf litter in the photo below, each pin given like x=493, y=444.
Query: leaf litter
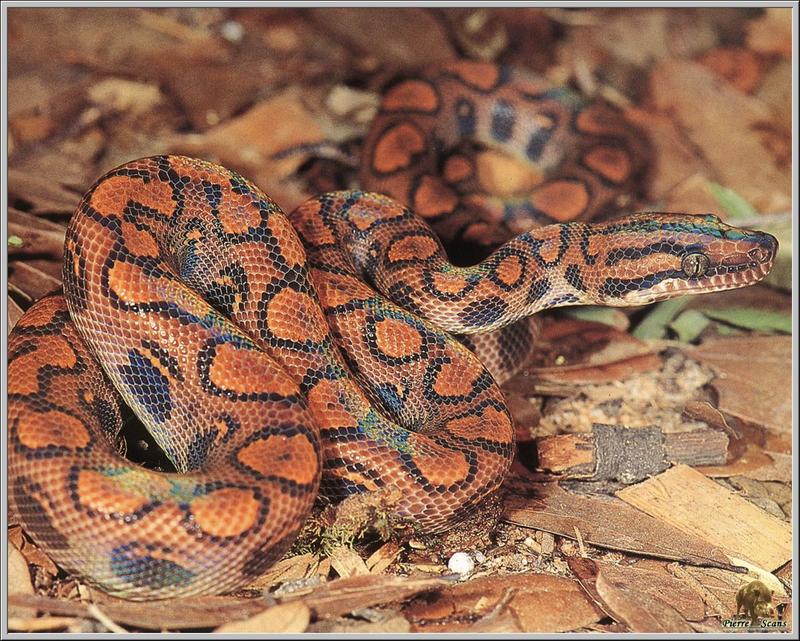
x=284, y=96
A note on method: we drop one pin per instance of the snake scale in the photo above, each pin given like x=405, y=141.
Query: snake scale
x=273, y=357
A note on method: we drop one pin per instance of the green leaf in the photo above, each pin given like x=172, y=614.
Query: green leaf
x=606, y=315
x=733, y=204
x=15, y=241
x=754, y=319
x=689, y=325
x=654, y=325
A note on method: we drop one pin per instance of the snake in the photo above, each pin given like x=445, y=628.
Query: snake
x=276, y=358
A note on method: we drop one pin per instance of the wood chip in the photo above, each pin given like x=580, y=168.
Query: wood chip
x=289, y=569
x=40, y=624
x=383, y=557
x=40, y=193
x=347, y=562
x=684, y=498
x=36, y=241
x=608, y=524
x=33, y=282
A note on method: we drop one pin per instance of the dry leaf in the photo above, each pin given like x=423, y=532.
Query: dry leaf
x=708, y=109
x=772, y=32
x=15, y=312
x=383, y=557
x=764, y=399
x=286, y=618
x=345, y=595
x=737, y=65
x=189, y=613
x=267, y=143
x=538, y=603
x=641, y=610
x=606, y=523
x=409, y=37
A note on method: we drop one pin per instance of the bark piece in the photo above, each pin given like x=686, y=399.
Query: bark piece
x=628, y=455
x=607, y=523
x=684, y=498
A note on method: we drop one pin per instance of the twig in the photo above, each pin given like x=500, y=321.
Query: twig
x=103, y=618
x=581, y=547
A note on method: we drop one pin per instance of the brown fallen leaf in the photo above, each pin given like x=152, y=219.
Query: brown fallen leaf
x=345, y=595
x=772, y=32
x=707, y=109
x=407, y=38
x=683, y=498
x=606, y=523
x=19, y=581
x=764, y=398
x=267, y=143
x=30, y=280
x=189, y=613
x=36, y=240
x=539, y=603
x=658, y=584
x=286, y=618
x=591, y=353
x=15, y=312
x=749, y=462
x=739, y=66
x=675, y=159
x=642, y=610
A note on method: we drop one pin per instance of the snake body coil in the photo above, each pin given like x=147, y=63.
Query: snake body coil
x=260, y=350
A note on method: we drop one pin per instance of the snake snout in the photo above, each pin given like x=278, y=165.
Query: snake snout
x=764, y=252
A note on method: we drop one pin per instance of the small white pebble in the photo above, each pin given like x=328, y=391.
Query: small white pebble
x=232, y=31
x=461, y=563
x=479, y=557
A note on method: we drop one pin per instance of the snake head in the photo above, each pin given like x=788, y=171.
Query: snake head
x=650, y=257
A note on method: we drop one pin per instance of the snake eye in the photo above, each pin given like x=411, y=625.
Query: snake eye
x=695, y=265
